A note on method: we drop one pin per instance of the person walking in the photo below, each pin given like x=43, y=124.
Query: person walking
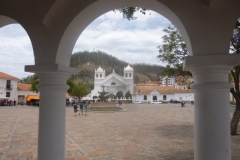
x=75, y=107
x=182, y=103
x=85, y=105
x=81, y=108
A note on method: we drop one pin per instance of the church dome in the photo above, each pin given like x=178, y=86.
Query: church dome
x=128, y=68
x=100, y=69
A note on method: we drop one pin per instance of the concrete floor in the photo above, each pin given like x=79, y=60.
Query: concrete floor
x=143, y=132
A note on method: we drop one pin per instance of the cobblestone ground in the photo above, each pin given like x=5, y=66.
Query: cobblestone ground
x=144, y=132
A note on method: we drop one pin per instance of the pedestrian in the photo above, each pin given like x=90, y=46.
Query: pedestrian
x=75, y=108
x=182, y=103
x=85, y=105
x=81, y=108
x=14, y=102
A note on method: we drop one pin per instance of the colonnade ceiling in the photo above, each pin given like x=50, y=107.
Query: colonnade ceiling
x=55, y=25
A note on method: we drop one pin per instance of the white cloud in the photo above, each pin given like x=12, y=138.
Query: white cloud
x=130, y=41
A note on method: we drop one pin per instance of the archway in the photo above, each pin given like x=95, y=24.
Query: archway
x=16, y=51
x=154, y=98
x=80, y=22
x=145, y=97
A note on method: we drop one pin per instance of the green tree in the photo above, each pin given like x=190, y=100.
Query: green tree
x=112, y=96
x=128, y=95
x=34, y=82
x=71, y=84
x=235, y=49
x=79, y=91
x=173, y=51
x=128, y=12
x=119, y=94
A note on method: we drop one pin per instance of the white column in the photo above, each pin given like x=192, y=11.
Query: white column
x=52, y=113
x=211, y=113
x=212, y=103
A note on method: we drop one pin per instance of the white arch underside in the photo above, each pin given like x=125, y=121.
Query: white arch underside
x=6, y=21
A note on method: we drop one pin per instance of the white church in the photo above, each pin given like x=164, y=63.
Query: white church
x=113, y=82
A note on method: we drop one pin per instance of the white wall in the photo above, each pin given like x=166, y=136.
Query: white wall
x=13, y=91
x=185, y=96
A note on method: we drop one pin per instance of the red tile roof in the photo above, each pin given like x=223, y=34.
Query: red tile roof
x=144, y=90
x=24, y=87
x=7, y=76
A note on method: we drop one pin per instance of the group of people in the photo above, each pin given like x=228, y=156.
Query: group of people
x=6, y=102
x=81, y=105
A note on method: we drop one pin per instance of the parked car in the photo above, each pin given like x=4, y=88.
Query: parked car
x=156, y=102
x=33, y=102
x=138, y=102
x=174, y=101
x=163, y=101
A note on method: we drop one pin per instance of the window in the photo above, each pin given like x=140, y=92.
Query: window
x=130, y=75
x=100, y=75
x=96, y=75
x=145, y=97
x=8, y=85
x=113, y=83
x=7, y=94
x=126, y=75
x=164, y=97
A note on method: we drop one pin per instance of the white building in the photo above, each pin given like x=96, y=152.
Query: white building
x=24, y=90
x=8, y=86
x=168, y=81
x=113, y=82
x=156, y=93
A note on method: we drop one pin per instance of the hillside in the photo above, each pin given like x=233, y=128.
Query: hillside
x=87, y=62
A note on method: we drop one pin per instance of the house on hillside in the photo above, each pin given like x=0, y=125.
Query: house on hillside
x=8, y=86
x=113, y=82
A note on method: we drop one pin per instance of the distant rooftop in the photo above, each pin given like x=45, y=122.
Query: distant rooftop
x=7, y=76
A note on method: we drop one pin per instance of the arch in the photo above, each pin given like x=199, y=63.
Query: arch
x=130, y=75
x=93, y=11
x=100, y=75
x=154, y=98
x=96, y=75
x=126, y=75
x=145, y=97
x=6, y=21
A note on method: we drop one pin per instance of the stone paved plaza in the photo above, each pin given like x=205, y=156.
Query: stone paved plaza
x=143, y=132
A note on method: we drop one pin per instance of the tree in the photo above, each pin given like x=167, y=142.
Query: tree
x=71, y=84
x=128, y=12
x=34, y=82
x=235, y=49
x=79, y=91
x=128, y=95
x=119, y=94
x=173, y=51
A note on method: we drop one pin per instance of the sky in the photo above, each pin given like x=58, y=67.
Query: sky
x=131, y=41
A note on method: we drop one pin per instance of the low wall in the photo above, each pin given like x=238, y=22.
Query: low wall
x=102, y=104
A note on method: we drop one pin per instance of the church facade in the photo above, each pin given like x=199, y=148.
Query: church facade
x=113, y=82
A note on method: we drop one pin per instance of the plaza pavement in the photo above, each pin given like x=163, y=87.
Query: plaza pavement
x=143, y=132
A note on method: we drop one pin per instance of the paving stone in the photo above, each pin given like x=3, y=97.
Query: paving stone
x=143, y=132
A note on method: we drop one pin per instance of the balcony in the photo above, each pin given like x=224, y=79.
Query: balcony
x=9, y=87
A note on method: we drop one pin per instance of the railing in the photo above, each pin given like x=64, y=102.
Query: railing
x=9, y=87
